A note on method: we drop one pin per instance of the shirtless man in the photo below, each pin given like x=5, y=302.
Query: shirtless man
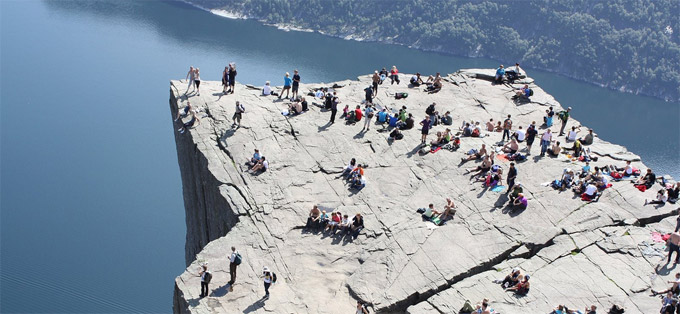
x=489, y=125
x=477, y=155
x=511, y=147
x=313, y=219
x=484, y=167
x=448, y=209
x=674, y=246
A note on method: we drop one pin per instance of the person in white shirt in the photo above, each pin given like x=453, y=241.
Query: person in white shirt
x=206, y=276
x=263, y=165
x=546, y=138
x=233, y=265
x=571, y=135
x=268, y=280
x=267, y=89
x=661, y=198
x=520, y=135
x=319, y=94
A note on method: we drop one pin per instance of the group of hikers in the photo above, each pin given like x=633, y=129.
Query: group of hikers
x=587, y=183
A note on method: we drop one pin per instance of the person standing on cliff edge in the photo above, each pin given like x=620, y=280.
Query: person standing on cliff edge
x=206, y=276
x=564, y=116
x=234, y=261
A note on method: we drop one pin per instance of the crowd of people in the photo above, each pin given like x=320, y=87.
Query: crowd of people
x=586, y=182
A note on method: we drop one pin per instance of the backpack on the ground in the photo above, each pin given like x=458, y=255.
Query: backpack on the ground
x=531, y=92
x=207, y=277
x=467, y=308
x=557, y=184
x=400, y=95
x=238, y=259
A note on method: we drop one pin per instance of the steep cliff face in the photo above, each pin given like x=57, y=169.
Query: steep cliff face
x=400, y=262
x=209, y=213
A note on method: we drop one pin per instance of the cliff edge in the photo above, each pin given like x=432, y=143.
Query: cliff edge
x=576, y=252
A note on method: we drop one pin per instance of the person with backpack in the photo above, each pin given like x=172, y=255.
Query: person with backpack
x=234, y=260
x=332, y=103
x=530, y=135
x=238, y=114
x=564, y=116
x=269, y=279
x=206, y=276
x=432, y=112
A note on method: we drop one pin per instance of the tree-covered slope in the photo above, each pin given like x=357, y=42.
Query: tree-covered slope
x=632, y=45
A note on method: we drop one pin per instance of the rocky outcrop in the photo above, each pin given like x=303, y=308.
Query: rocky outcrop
x=399, y=262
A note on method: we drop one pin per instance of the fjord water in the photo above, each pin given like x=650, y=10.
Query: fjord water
x=92, y=215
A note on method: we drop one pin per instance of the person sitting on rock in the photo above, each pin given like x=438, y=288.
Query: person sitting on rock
x=262, y=164
x=383, y=75
x=602, y=183
x=555, y=150
x=408, y=124
x=519, y=135
x=447, y=119
x=522, y=93
x=500, y=72
x=357, y=224
x=344, y=223
x=520, y=202
x=345, y=112
x=489, y=125
x=483, y=308
x=567, y=179
x=355, y=116
x=626, y=171
x=661, y=198
x=449, y=210
x=479, y=154
x=435, y=87
x=648, y=180
x=467, y=130
x=494, y=177
x=498, y=128
x=402, y=114
x=577, y=148
x=514, y=193
x=438, y=141
x=395, y=135
x=572, y=134
x=590, y=193
x=335, y=220
x=383, y=116
x=324, y=218
x=476, y=130
x=394, y=121
x=319, y=93
x=521, y=287
x=394, y=75
x=484, y=167
x=294, y=108
x=416, y=80
x=184, y=112
x=256, y=158
x=588, y=139
x=267, y=89
x=352, y=164
x=673, y=193
x=358, y=171
x=313, y=219
x=358, y=183
x=675, y=287
x=511, y=147
x=430, y=212
x=511, y=279
x=190, y=124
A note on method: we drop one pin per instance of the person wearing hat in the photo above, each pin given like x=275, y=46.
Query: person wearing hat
x=564, y=116
x=269, y=278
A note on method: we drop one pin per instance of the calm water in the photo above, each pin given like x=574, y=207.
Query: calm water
x=92, y=215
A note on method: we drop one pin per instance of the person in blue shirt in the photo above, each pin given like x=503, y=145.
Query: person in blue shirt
x=382, y=116
x=393, y=120
x=256, y=157
x=287, y=82
x=500, y=72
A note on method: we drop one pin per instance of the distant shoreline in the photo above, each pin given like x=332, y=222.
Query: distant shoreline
x=234, y=15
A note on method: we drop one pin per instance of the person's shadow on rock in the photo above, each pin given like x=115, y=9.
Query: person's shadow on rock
x=255, y=306
x=665, y=270
x=221, y=291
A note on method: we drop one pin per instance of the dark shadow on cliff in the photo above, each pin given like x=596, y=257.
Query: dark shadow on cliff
x=221, y=291
x=324, y=127
x=665, y=270
x=500, y=202
x=193, y=302
x=255, y=306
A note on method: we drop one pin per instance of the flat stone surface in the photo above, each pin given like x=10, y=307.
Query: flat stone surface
x=399, y=262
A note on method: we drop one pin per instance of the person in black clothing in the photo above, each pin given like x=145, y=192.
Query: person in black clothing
x=357, y=224
x=383, y=75
x=304, y=104
x=648, y=180
x=369, y=95
x=512, y=174
x=531, y=135
x=296, y=84
x=225, y=80
x=232, y=77
x=333, y=106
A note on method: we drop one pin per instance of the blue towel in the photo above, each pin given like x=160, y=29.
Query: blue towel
x=498, y=188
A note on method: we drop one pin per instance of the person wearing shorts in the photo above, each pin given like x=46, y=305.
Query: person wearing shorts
x=296, y=83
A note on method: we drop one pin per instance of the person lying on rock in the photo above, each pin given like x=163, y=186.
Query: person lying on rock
x=675, y=287
x=484, y=167
x=626, y=171
x=479, y=154
x=647, y=180
x=449, y=210
x=511, y=279
x=520, y=202
x=313, y=219
x=511, y=147
x=262, y=164
x=522, y=287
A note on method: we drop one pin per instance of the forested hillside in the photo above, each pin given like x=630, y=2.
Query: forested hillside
x=631, y=45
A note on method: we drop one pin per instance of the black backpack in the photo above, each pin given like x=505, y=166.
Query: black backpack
x=207, y=277
x=329, y=100
x=273, y=277
x=430, y=110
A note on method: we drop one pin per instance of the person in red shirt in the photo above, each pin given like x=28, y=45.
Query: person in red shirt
x=394, y=74
x=358, y=113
